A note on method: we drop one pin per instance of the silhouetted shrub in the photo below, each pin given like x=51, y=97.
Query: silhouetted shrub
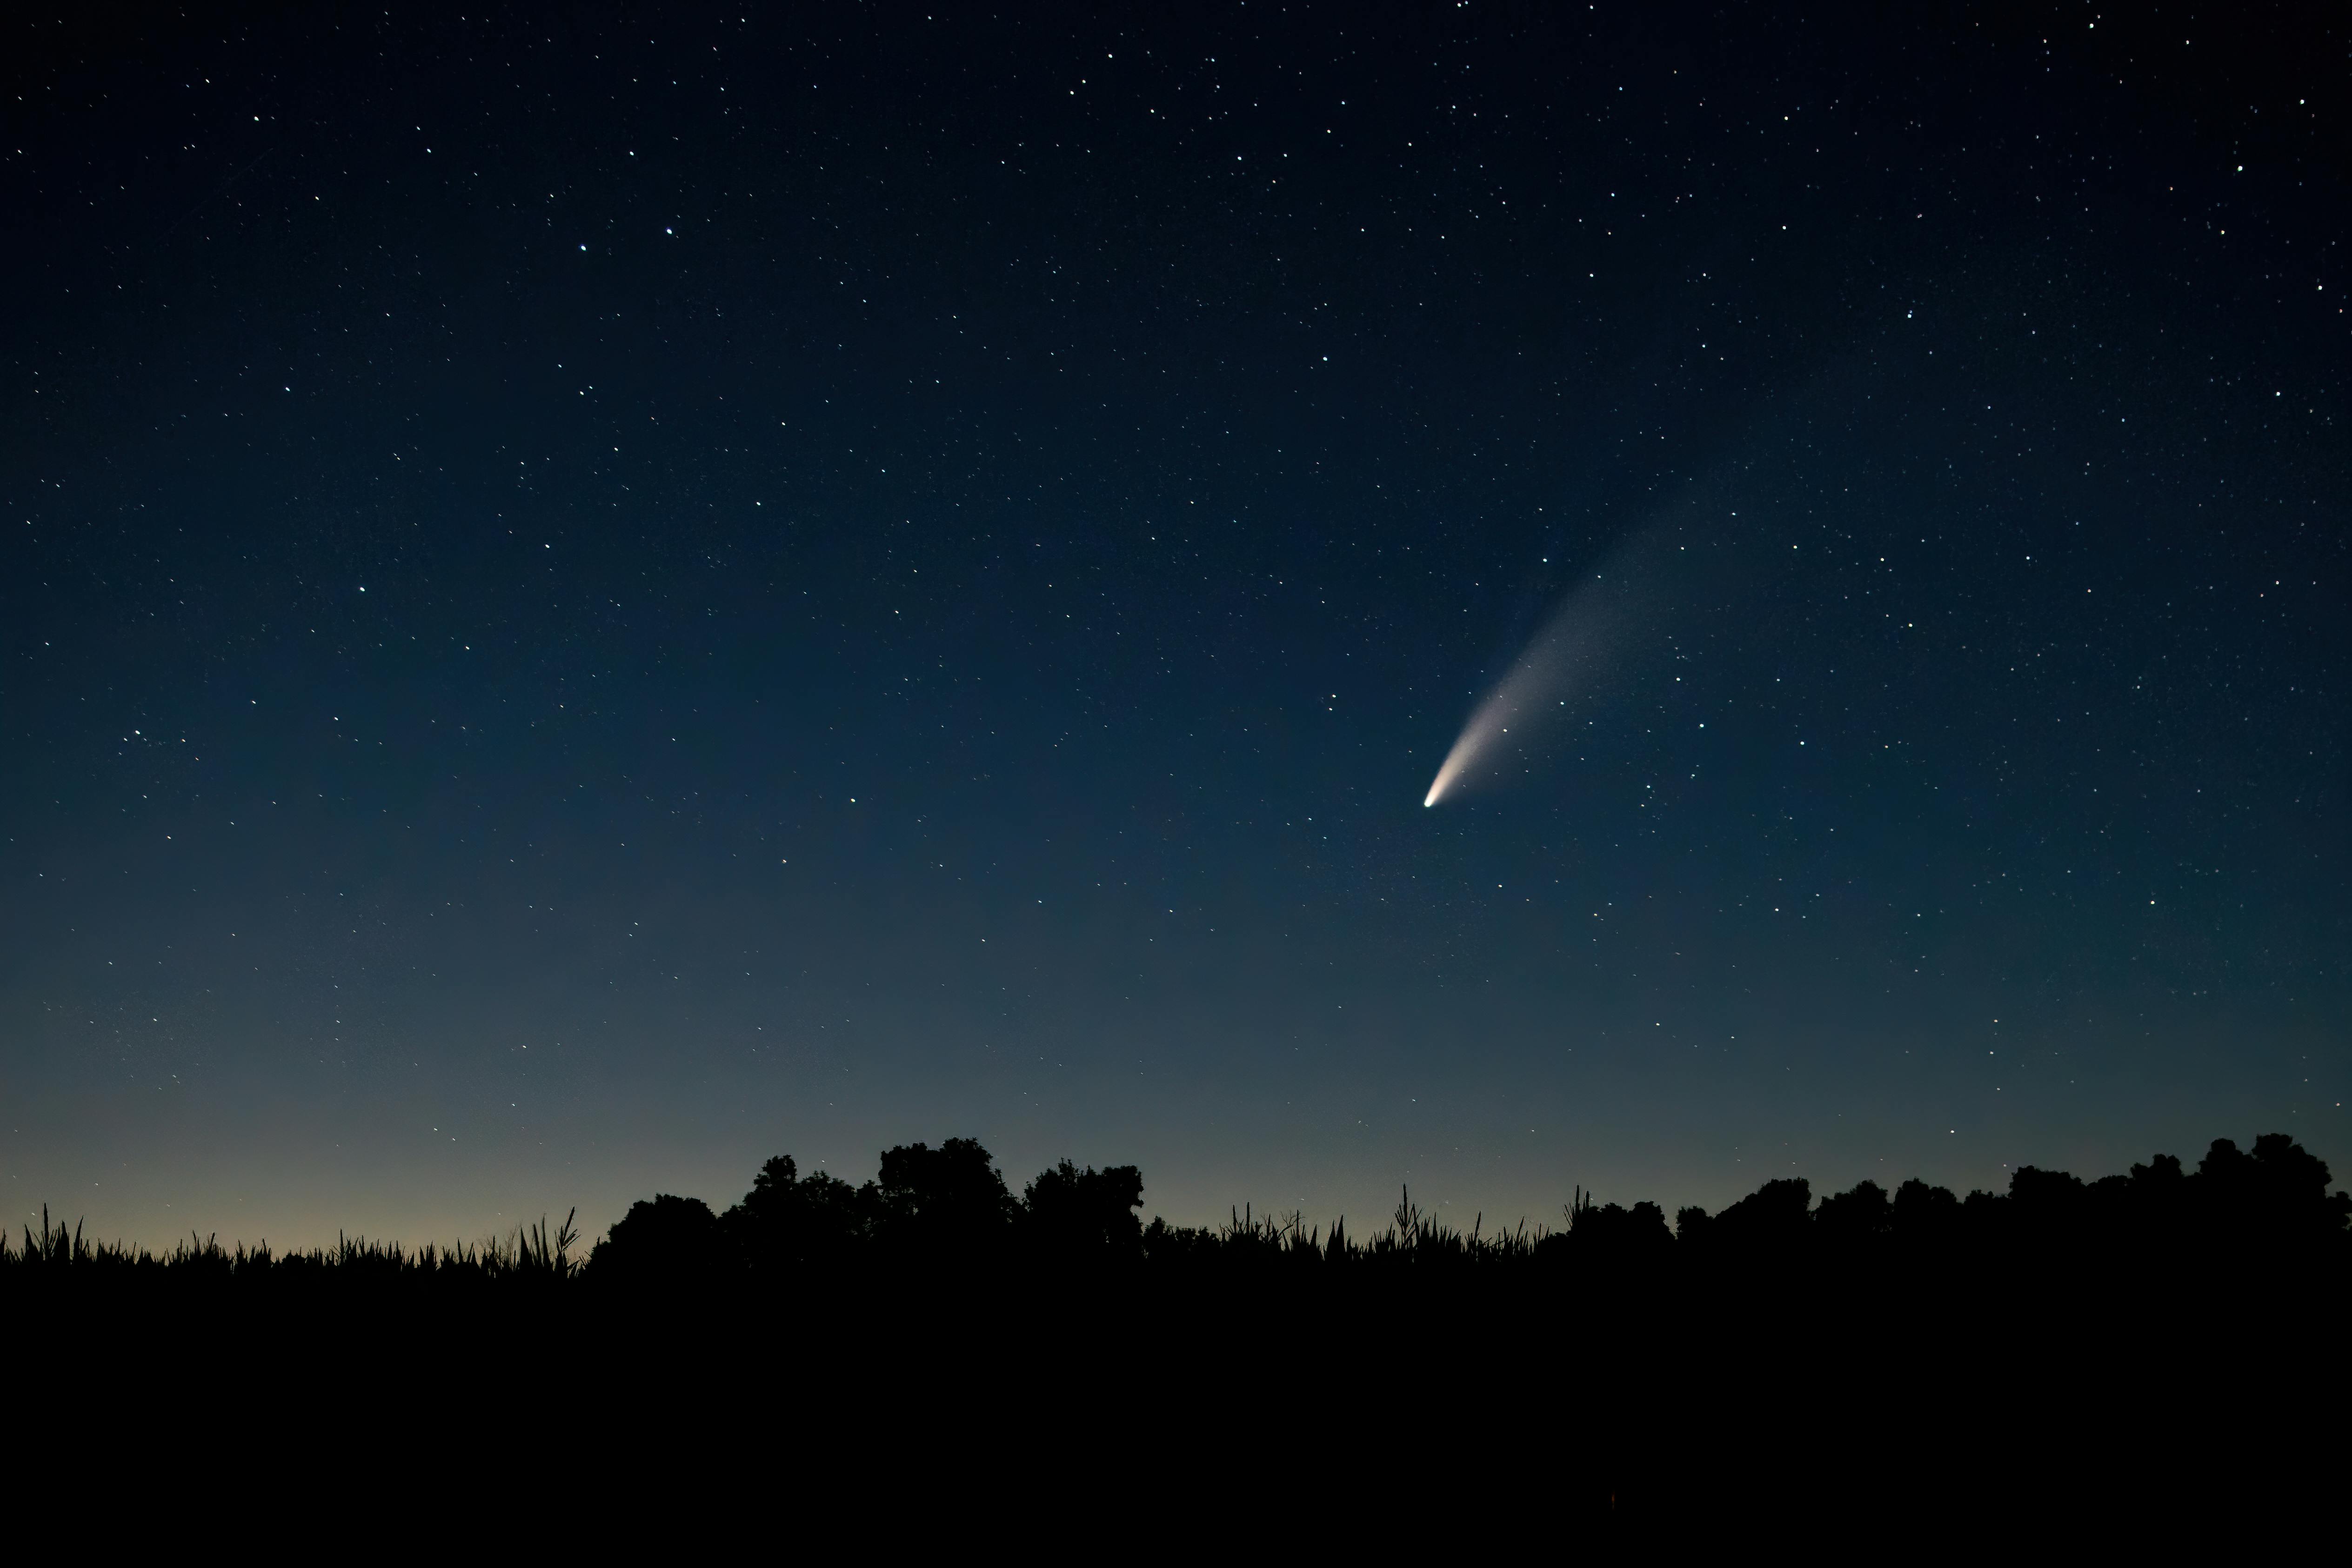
x=1610, y=1235
x=1167, y=1245
x=668, y=1240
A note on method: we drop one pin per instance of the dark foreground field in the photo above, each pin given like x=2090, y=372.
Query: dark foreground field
x=2148, y=1351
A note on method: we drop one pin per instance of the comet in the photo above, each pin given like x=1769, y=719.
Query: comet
x=1557, y=666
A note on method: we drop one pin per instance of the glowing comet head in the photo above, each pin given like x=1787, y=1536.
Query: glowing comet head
x=1486, y=727
x=1472, y=741
x=1557, y=662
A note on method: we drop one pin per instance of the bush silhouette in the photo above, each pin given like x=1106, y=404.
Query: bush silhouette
x=1611, y=1235
x=667, y=1239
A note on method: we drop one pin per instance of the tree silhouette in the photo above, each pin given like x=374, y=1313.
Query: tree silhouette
x=1924, y=1215
x=1858, y=1217
x=2048, y=1214
x=1771, y=1219
x=946, y=1202
x=2276, y=1195
x=1077, y=1216
x=789, y=1223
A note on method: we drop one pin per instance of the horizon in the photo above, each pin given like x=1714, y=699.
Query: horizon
x=1237, y=1213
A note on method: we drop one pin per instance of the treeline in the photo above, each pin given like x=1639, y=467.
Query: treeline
x=950, y=1205
x=949, y=1209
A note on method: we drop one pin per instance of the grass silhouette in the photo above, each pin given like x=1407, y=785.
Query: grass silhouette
x=536, y=1253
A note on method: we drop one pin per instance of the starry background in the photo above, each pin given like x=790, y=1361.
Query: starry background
x=589, y=597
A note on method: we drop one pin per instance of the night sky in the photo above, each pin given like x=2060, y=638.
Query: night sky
x=589, y=598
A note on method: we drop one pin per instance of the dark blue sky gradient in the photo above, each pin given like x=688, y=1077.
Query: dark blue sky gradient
x=589, y=600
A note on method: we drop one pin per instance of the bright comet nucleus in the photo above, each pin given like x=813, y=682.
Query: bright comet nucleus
x=1557, y=665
